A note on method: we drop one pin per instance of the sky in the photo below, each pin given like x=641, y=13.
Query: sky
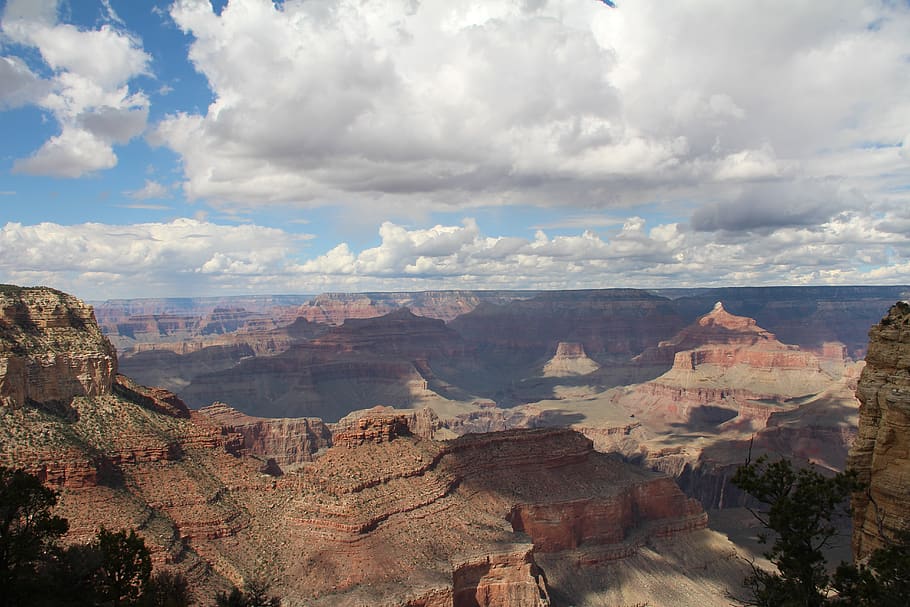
x=194, y=148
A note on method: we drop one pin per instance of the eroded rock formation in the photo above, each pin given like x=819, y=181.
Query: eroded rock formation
x=288, y=441
x=365, y=362
x=881, y=452
x=725, y=361
x=805, y=316
x=51, y=348
x=570, y=359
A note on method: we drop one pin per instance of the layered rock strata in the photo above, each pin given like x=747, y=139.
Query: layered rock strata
x=336, y=308
x=723, y=358
x=51, y=348
x=288, y=441
x=548, y=485
x=881, y=452
x=570, y=359
x=364, y=362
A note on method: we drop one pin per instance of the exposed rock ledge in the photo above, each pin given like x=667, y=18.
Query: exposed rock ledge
x=289, y=441
x=51, y=348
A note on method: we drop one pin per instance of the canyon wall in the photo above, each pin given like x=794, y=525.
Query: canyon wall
x=608, y=322
x=881, y=452
x=364, y=362
x=336, y=308
x=288, y=441
x=51, y=348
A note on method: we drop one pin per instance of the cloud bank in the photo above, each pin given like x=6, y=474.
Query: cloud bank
x=187, y=256
x=559, y=103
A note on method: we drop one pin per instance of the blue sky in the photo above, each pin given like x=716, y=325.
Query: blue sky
x=190, y=147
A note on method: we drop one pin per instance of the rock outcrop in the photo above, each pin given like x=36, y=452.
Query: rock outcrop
x=881, y=452
x=288, y=441
x=805, y=316
x=51, y=348
x=570, y=359
x=157, y=399
x=725, y=358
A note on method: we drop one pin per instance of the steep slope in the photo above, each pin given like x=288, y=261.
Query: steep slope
x=881, y=453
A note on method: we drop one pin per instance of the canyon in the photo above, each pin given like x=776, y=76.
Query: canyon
x=368, y=512
x=680, y=381
x=506, y=337
x=518, y=449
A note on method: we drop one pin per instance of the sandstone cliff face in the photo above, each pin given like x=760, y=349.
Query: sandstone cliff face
x=51, y=349
x=288, y=441
x=881, y=452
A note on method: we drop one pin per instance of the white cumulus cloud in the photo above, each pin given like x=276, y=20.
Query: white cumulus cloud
x=88, y=92
x=188, y=256
x=151, y=190
x=447, y=103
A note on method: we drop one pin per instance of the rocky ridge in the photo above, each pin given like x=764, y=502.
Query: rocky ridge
x=336, y=308
x=881, y=452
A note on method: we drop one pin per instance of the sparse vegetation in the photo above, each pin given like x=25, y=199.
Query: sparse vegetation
x=114, y=570
x=800, y=510
x=255, y=593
